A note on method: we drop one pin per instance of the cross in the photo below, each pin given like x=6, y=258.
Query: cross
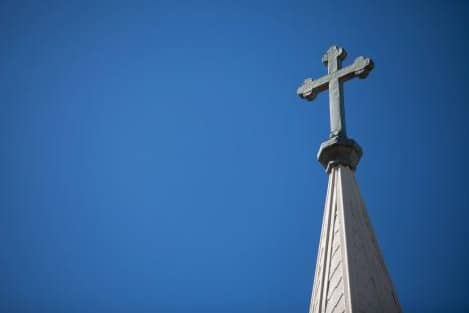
x=333, y=81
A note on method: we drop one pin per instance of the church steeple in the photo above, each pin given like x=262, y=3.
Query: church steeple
x=351, y=276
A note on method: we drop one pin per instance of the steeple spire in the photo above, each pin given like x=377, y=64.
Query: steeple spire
x=351, y=276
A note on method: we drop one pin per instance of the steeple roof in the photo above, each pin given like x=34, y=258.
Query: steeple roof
x=351, y=276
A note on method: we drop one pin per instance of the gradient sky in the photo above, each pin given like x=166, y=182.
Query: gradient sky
x=155, y=156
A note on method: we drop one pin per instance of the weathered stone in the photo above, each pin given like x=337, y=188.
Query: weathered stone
x=339, y=151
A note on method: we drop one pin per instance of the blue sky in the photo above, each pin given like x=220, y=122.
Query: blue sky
x=155, y=156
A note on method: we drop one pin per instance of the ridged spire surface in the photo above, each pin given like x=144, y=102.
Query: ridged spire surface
x=350, y=276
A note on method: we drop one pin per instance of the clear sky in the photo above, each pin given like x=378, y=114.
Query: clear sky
x=155, y=156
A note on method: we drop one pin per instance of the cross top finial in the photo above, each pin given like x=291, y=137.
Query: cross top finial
x=334, y=52
x=333, y=81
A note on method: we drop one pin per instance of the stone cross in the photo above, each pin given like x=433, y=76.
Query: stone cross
x=333, y=81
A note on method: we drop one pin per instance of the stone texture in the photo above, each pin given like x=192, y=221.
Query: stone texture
x=350, y=276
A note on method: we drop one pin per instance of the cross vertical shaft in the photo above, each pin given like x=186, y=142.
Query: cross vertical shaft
x=333, y=58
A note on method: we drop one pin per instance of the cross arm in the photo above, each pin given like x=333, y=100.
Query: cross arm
x=360, y=68
x=310, y=88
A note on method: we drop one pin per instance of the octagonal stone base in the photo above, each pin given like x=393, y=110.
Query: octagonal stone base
x=339, y=151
